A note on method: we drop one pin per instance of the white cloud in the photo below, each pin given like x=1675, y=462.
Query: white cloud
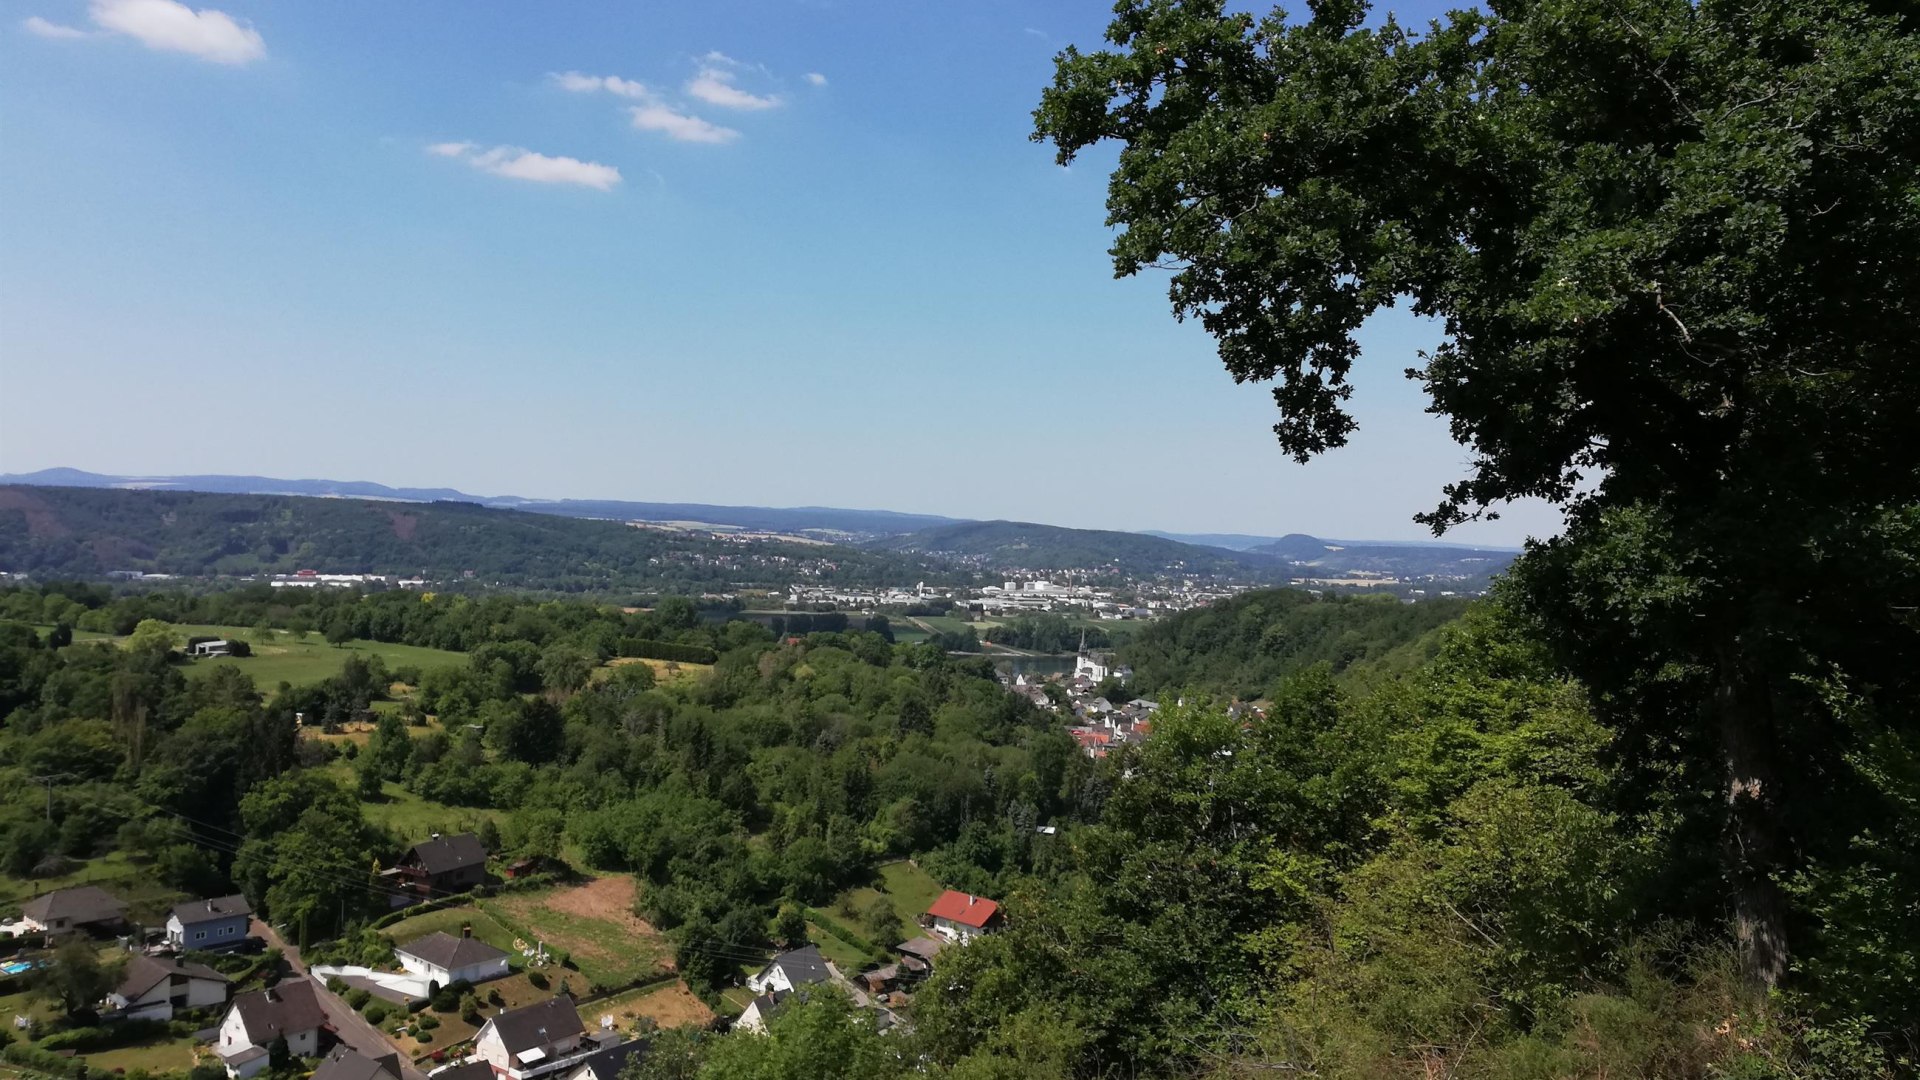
x=681, y=126
x=175, y=27
x=612, y=84
x=37, y=25
x=816, y=78
x=714, y=85
x=1041, y=34
x=511, y=161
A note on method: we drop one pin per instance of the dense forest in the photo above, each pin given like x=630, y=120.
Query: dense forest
x=88, y=532
x=1240, y=648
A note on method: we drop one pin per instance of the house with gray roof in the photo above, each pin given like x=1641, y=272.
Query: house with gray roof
x=154, y=988
x=209, y=925
x=442, y=958
x=289, y=1010
x=531, y=1040
x=84, y=907
x=346, y=1063
x=792, y=970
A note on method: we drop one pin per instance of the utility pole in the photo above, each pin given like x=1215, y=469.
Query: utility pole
x=48, y=782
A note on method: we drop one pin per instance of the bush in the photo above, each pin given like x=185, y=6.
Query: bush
x=427, y=1022
x=335, y=985
x=538, y=978
x=376, y=1013
x=359, y=998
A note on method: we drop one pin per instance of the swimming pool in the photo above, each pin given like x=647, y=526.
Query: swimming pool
x=15, y=967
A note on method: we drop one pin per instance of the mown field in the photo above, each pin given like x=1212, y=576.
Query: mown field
x=597, y=927
x=279, y=656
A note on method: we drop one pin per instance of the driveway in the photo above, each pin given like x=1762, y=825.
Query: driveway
x=350, y=1026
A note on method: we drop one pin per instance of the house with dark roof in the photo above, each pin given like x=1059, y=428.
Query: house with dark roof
x=440, y=957
x=606, y=1063
x=84, y=907
x=792, y=970
x=754, y=1017
x=531, y=1040
x=961, y=917
x=289, y=1010
x=346, y=1063
x=220, y=923
x=154, y=988
x=442, y=866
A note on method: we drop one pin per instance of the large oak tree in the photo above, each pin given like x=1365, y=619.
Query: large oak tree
x=1675, y=248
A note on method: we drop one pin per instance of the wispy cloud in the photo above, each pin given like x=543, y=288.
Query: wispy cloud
x=816, y=79
x=684, y=127
x=37, y=25
x=714, y=85
x=512, y=161
x=174, y=27
x=612, y=84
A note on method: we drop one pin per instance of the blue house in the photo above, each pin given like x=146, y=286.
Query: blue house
x=215, y=924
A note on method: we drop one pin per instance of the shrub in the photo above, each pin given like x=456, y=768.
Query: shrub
x=87, y=1039
x=359, y=997
x=427, y=1022
x=376, y=1012
x=538, y=979
x=335, y=985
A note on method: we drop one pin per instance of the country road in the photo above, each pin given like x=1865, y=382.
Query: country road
x=350, y=1026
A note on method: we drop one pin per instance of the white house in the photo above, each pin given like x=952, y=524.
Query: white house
x=961, y=917
x=216, y=647
x=532, y=1039
x=445, y=959
x=290, y=1010
x=791, y=970
x=153, y=989
x=754, y=1019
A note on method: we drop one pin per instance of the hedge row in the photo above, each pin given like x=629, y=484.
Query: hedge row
x=89, y=1039
x=665, y=650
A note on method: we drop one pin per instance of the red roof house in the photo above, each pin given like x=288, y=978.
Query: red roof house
x=960, y=917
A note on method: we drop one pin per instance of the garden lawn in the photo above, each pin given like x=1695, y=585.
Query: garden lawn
x=901, y=883
x=450, y=920
x=164, y=1054
x=851, y=959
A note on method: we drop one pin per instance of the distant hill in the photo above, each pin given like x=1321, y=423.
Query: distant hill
x=858, y=524
x=85, y=532
x=1311, y=556
x=1024, y=545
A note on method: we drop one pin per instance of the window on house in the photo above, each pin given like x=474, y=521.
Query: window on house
x=199, y=935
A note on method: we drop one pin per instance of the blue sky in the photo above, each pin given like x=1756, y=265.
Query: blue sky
x=775, y=253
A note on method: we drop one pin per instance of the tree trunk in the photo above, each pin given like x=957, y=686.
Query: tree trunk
x=1751, y=856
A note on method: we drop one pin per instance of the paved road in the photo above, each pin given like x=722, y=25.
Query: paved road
x=352, y=1028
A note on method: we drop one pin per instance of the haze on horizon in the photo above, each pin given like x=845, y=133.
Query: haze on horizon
x=741, y=253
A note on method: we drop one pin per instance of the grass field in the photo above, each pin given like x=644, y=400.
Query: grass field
x=147, y=900
x=596, y=925
x=846, y=956
x=282, y=658
x=901, y=883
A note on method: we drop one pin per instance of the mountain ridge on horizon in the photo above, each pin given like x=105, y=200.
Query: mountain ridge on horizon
x=810, y=518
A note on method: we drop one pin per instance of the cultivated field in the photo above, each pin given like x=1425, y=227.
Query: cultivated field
x=671, y=1005
x=664, y=671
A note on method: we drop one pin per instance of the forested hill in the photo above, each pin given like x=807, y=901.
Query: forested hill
x=74, y=532
x=1314, y=557
x=1244, y=646
x=1024, y=545
x=827, y=519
